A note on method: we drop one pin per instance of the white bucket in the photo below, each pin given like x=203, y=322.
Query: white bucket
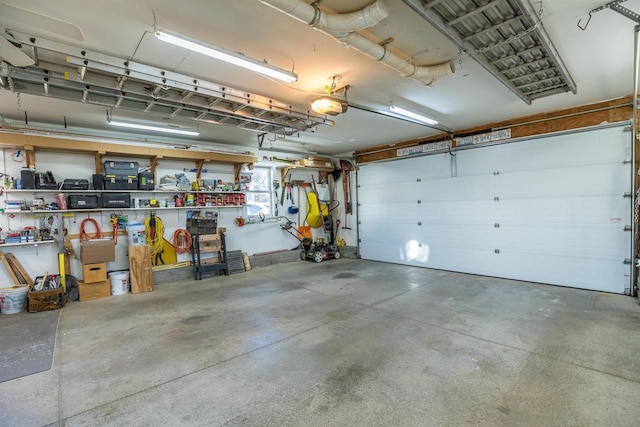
x=119, y=282
x=136, y=233
x=12, y=299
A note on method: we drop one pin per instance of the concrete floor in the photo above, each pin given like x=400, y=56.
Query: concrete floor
x=344, y=342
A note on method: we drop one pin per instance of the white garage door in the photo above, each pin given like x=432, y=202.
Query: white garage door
x=550, y=210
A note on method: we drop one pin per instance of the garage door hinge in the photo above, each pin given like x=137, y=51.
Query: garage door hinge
x=627, y=128
x=418, y=180
x=626, y=162
x=496, y=199
x=419, y=201
x=496, y=225
x=627, y=228
x=419, y=223
x=627, y=195
x=626, y=261
x=497, y=251
x=496, y=172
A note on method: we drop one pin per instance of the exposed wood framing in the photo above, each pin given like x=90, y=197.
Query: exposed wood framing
x=30, y=156
x=98, y=161
x=200, y=164
x=236, y=172
x=154, y=164
x=611, y=111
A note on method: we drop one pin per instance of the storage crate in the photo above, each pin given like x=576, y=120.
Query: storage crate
x=89, y=291
x=51, y=299
x=116, y=200
x=120, y=168
x=146, y=181
x=120, y=182
x=92, y=273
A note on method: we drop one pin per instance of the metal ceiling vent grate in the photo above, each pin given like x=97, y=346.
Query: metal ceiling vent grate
x=507, y=38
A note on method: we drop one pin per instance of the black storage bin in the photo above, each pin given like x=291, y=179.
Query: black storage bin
x=82, y=201
x=75, y=184
x=116, y=200
x=98, y=181
x=28, y=179
x=120, y=182
x=121, y=168
x=146, y=181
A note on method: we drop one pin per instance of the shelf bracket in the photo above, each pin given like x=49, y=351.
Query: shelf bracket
x=98, y=161
x=199, y=165
x=284, y=172
x=236, y=172
x=30, y=155
x=154, y=164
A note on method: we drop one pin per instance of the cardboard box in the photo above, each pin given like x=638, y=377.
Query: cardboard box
x=93, y=273
x=97, y=250
x=89, y=291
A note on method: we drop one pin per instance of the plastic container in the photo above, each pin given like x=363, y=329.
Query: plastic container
x=136, y=233
x=119, y=282
x=12, y=299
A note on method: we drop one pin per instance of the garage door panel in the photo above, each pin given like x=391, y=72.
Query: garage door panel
x=425, y=168
x=569, y=182
x=409, y=252
x=458, y=188
x=399, y=214
x=455, y=212
x=594, y=243
x=555, y=152
x=388, y=193
x=549, y=210
x=580, y=211
x=574, y=271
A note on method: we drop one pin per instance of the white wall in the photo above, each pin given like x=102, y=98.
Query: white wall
x=253, y=238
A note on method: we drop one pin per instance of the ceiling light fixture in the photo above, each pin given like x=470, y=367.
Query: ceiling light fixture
x=330, y=105
x=226, y=56
x=412, y=115
x=168, y=129
x=334, y=102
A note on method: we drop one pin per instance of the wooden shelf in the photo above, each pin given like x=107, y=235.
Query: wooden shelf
x=122, y=209
x=4, y=245
x=25, y=191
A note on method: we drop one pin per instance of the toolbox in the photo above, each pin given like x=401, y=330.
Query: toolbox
x=121, y=168
x=45, y=299
x=82, y=201
x=75, y=184
x=116, y=200
x=120, y=182
x=146, y=181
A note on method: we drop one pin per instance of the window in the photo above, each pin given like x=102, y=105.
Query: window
x=260, y=193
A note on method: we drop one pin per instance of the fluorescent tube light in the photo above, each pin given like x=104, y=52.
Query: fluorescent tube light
x=413, y=115
x=227, y=56
x=174, y=130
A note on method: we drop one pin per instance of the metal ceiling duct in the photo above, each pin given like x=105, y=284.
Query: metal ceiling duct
x=507, y=38
x=343, y=27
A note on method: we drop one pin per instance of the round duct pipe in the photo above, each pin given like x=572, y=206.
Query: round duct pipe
x=343, y=26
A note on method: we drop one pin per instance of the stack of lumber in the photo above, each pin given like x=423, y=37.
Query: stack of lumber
x=16, y=271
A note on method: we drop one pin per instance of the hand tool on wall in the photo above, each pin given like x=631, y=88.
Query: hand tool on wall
x=276, y=185
x=346, y=166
